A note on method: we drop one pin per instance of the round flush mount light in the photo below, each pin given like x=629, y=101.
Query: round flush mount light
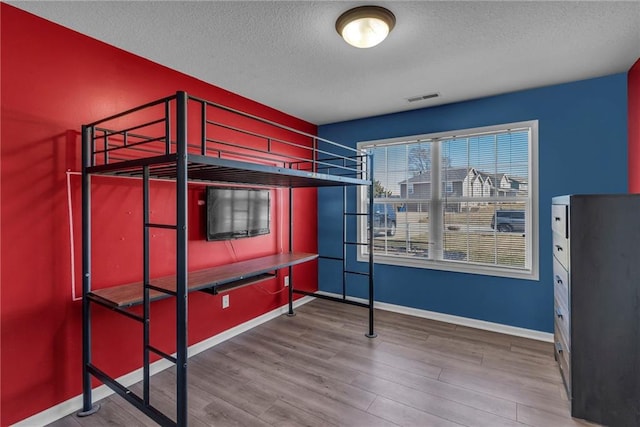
x=365, y=26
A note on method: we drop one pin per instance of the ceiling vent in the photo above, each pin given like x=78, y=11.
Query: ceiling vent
x=423, y=97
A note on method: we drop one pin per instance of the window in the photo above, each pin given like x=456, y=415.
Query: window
x=448, y=187
x=461, y=201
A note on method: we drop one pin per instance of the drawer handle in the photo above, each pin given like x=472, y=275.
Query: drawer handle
x=558, y=218
x=558, y=347
x=559, y=248
x=559, y=313
x=558, y=280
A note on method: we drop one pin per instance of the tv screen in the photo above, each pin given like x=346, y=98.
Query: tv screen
x=233, y=213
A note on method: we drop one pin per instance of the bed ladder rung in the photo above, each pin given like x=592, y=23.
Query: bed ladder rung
x=356, y=272
x=163, y=290
x=356, y=243
x=154, y=225
x=162, y=353
x=335, y=258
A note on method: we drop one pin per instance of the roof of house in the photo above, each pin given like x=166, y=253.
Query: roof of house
x=448, y=174
x=518, y=179
x=459, y=174
x=497, y=177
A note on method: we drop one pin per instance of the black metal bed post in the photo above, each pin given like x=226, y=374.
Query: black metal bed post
x=290, y=312
x=369, y=157
x=145, y=282
x=181, y=259
x=344, y=242
x=87, y=143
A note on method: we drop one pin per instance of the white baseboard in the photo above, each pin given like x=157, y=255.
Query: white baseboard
x=75, y=403
x=457, y=320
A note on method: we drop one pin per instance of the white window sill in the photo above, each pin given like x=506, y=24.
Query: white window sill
x=453, y=266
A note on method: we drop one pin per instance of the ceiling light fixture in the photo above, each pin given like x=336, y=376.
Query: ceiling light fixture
x=365, y=26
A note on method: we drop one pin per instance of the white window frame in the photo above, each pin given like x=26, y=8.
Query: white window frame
x=448, y=187
x=532, y=252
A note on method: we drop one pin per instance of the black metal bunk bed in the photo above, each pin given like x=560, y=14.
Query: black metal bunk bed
x=152, y=142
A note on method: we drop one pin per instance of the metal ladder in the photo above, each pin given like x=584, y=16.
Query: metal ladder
x=180, y=294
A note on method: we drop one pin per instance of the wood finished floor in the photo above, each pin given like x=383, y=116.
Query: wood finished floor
x=318, y=369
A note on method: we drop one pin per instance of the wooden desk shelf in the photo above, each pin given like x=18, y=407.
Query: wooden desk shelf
x=216, y=279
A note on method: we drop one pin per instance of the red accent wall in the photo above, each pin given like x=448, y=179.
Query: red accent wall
x=53, y=80
x=633, y=86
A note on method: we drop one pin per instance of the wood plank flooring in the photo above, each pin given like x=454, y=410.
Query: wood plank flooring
x=318, y=369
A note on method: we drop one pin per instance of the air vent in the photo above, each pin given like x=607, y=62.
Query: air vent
x=423, y=97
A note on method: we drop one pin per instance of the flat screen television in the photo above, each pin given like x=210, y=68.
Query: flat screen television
x=233, y=213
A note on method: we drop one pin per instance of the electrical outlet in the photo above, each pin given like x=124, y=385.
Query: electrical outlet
x=286, y=280
x=225, y=301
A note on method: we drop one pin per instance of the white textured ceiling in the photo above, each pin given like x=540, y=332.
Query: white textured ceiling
x=287, y=54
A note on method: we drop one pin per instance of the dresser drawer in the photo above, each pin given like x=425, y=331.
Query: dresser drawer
x=559, y=223
x=560, y=282
x=561, y=249
x=561, y=322
x=563, y=356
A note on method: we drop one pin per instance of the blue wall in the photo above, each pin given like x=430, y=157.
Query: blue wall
x=582, y=148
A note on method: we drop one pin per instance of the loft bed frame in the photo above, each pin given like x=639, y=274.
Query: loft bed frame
x=156, y=141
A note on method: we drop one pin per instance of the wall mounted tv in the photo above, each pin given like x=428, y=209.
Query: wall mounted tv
x=234, y=213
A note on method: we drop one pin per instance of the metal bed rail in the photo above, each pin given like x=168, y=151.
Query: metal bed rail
x=150, y=130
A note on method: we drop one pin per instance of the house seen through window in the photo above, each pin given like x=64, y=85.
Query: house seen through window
x=462, y=200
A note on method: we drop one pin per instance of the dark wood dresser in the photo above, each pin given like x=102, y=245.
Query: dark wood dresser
x=596, y=273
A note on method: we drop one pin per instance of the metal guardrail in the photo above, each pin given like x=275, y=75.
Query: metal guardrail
x=218, y=131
